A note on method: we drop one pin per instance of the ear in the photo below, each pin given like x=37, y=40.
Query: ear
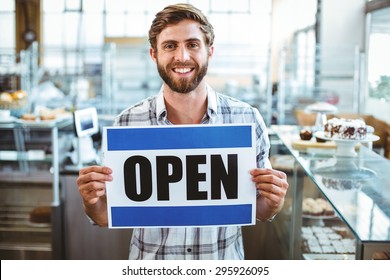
x=153, y=54
x=211, y=51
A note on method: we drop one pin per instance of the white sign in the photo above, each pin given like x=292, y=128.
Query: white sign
x=181, y=175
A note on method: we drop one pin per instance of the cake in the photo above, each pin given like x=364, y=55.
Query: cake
x=305, y=134
x=40, y=214
x=311, y=207
x=316, y=207
x=340, y=128
x=320, y=140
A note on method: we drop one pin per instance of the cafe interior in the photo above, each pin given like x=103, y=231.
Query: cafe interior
x=69, y=67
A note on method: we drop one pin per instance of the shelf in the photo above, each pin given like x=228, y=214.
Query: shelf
x=35, y=177
x=16, y=219
x=32, y=155
x=46, y=247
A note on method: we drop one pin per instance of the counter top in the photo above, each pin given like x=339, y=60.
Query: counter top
x=59, y=123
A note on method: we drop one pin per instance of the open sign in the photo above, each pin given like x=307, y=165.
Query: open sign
x=172, y=176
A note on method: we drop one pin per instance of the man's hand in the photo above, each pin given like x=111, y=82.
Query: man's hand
x=92, y=188
x=272, y=188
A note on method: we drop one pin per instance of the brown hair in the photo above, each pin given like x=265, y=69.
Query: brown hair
x=176, y=13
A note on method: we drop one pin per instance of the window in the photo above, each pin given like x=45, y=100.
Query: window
x=378, y=55
x=7, y=24
x=73, y=29
x=97, y=19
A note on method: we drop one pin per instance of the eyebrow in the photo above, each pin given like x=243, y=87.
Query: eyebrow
x=174, y=41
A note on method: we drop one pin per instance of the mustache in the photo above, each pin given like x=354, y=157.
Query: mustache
x=183, y=65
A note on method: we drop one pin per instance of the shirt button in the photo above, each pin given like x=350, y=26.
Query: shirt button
x=189, y=250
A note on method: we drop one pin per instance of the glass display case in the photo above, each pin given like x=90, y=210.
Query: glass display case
x=340, y=205
x=30, y=199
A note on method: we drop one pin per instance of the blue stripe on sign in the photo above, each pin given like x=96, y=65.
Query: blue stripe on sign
x=165, y=216
x=155, y=138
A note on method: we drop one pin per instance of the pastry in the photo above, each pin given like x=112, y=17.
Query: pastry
x=40, y=214
x=28, y=117
x=19, y=94
x=6, y=97
x=305, y=134
x=353, y=129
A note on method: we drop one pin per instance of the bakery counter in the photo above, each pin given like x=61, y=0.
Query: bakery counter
x=357, y=187
x=81, y=239
x=30, y=202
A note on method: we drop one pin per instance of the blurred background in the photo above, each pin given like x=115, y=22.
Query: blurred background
x=279, y=55
x=58, y=57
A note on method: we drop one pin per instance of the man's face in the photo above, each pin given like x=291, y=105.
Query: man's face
x=182, y=56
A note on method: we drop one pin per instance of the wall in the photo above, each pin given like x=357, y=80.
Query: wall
x=378, y=109
x=341, y=35
x=342, y=30
x=287, y=17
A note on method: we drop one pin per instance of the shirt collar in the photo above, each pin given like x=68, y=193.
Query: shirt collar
x=161, y=110
x=212, y=107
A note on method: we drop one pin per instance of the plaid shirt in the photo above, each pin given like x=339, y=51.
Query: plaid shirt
x=205, y=243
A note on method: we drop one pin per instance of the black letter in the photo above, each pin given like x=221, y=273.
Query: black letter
x=229, y=179
x=145, y=178
x=194, y=177
x=163, y=176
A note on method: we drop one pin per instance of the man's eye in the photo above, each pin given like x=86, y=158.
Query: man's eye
x=169, y=46
x=193, y=45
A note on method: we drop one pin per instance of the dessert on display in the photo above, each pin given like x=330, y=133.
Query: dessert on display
x=327, y=240
x=342, y=184
x=40, y=214
x=305, y=134
x=11, y=100
x=316, y=207
x=346, y=129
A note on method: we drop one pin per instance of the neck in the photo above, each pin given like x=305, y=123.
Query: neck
x=186, y=108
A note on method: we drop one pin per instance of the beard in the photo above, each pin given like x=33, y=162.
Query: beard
x=182, y=85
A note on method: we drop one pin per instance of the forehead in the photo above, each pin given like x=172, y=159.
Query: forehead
x=182, y=31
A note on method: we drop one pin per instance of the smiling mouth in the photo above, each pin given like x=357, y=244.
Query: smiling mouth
x=183, y=70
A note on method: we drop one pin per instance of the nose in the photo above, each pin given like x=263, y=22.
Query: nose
x=182, y=54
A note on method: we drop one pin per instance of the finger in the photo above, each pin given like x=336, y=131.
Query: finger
x=92, y=191
x=269, y=179
x=270, y=195
x=95, y=168
x=92, y=186
x=93, y=176
x=279, y=191
x=268, y=171
x=265, y=187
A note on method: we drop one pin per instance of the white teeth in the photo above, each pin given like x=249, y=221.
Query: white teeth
x=182, y=70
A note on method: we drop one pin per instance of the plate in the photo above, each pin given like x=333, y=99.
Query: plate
x=38, y=225
x=321, y=107
x=369, y=138
x=346, y=147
